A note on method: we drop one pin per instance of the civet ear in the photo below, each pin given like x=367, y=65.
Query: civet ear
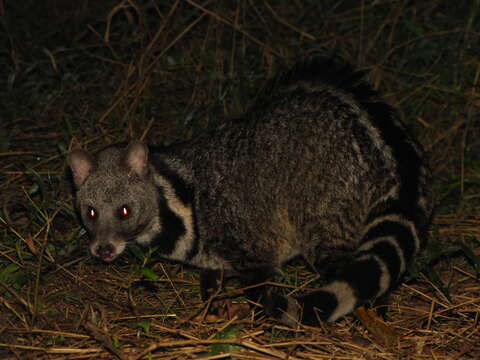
x=137, y=158
x=81, y=163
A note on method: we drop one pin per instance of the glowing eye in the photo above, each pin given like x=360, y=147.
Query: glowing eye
x=123, y=212
x=91, y=213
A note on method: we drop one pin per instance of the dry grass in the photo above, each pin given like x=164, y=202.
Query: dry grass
x=98, y=72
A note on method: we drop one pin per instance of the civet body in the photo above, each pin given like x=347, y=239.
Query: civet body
x=318, y=167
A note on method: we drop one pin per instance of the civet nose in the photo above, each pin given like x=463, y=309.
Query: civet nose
x=105, y=252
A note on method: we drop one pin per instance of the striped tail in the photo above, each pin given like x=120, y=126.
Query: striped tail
x=389, y=244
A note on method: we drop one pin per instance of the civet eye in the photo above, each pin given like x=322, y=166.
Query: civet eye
x=92, y=213
x=123, y=212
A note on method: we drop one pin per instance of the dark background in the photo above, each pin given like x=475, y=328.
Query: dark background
x=95, y=72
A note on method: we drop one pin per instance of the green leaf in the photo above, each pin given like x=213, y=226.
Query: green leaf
x=144, y=325
x=149, y=274
x=137, y=252
x=230, y=332
x=6, y=272
x=116, y=342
